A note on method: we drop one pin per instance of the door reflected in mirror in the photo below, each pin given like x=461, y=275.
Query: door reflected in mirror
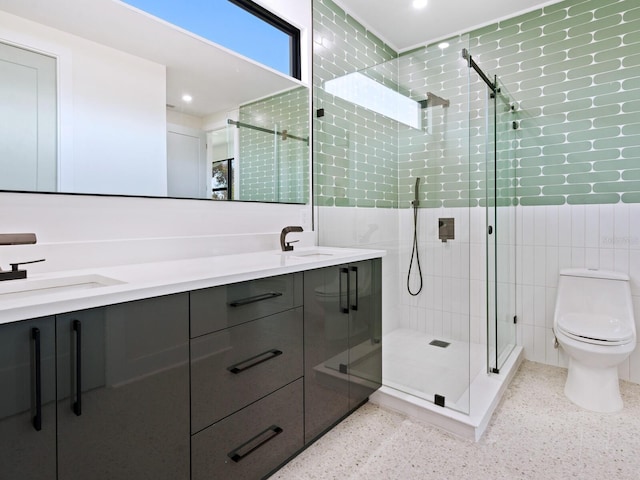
x=121, y=124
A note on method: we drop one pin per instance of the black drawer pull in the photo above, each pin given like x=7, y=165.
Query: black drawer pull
x=37, y=419
x=257, y=298
x=77, y=405
x=250, y=446
x=253, y=361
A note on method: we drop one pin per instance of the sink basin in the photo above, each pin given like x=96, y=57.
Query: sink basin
x=317, y=253
x=313, y=255
x=15, y=289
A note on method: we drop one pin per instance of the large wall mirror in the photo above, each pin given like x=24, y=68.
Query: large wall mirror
x=101, y=98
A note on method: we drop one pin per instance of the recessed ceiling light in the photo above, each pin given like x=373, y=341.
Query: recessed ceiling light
x=187, y=98
x=443, y=45
x=419, y=3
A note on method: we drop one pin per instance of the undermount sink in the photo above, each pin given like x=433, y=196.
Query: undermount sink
x=311, y=253
x=15, y=289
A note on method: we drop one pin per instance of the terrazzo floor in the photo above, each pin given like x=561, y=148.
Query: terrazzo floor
x=535, y=433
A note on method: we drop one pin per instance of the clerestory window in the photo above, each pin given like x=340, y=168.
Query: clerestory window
x=239, y=25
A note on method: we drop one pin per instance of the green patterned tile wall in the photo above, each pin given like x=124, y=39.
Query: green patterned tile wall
x=574, y=67
x=273, y=168
x=450, y=152
x=355, y=149
x=439, y=152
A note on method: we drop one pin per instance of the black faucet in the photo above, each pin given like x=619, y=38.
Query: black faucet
x=17, y=239
x=286, y=246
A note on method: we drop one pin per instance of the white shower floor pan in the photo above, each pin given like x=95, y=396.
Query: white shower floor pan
x=411, y=367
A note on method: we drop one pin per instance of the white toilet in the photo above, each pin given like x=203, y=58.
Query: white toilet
x=594, y=324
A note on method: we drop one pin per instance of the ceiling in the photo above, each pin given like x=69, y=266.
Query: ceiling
x=403, y=27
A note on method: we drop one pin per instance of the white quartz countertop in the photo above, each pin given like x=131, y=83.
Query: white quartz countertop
x=53, y=293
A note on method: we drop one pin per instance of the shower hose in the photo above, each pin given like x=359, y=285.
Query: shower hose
x=414, y=251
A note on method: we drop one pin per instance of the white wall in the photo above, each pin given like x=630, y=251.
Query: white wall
x=83, y=231
x=90, y=231
x=119, y=134
x=555, y=237
x=453, y=297
x=112, y=130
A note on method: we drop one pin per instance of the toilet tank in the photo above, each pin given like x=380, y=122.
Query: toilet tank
x=594, y=292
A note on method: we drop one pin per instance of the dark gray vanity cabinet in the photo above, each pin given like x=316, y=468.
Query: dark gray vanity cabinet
x=100, y=393
x=123, y=391
x=223, y=382
x=27, y=400
x=246, y=377
x=342, y=341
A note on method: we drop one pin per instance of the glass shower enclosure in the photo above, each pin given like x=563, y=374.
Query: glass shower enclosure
x=423, y=129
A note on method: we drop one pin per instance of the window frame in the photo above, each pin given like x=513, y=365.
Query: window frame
x=295, y=62
x=229, y=187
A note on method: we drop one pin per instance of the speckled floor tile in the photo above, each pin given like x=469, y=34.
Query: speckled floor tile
x=535, y=434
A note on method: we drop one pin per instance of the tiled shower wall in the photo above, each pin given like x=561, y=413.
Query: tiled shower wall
x=273, y=167
x=355, y=150
x=574, y=70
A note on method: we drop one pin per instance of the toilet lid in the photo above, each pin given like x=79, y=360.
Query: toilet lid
x=595, y=328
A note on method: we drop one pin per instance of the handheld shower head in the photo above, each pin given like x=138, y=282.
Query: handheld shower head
x=416, y=200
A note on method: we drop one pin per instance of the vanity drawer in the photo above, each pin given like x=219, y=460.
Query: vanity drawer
x=237, y=366
x=216, y=308
x=252, y=442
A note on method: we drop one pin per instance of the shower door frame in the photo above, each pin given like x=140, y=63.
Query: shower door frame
x=496, y=353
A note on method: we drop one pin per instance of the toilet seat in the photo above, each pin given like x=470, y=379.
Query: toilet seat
x=595, y=329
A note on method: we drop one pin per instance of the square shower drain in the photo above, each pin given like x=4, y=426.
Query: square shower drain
x=439, y=343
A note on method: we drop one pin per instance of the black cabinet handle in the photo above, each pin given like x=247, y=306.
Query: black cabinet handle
x=253, y=361
x=37, y=419
x=257, y=298
x=355, y=305
x=77, y=405
x=251, y=445
x=342, y=272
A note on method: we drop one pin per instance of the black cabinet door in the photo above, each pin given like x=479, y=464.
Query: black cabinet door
x=326, y=348
x=365, y=330
x=342, y=341
x=27, y=400
x=123, y=391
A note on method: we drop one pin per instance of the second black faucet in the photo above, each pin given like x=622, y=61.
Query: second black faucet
x=286, y=246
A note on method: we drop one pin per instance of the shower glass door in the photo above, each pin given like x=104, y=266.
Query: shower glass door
x=435, y=349
x=500, y=204
x=378, y=133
